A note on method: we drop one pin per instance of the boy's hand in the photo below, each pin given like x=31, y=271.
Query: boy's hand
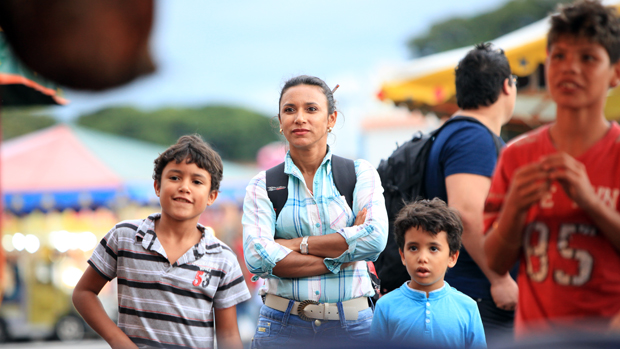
x=572, y=176
x=123, y=343
x=529, y=184
x=614, y=324
x=505, y=292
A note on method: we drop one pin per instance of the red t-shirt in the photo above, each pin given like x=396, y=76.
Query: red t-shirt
x=569, y=270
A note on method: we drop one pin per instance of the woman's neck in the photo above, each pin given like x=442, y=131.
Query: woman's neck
x=308, y=160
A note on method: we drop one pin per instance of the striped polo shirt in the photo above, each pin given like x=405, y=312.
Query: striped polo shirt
x=163, y=305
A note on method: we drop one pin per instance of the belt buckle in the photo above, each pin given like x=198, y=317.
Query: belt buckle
x=302, y=306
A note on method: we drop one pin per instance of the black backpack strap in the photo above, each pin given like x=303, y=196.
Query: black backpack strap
x=276, y=182
x=343, y=171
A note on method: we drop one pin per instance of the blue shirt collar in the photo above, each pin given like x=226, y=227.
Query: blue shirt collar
x=421, y=295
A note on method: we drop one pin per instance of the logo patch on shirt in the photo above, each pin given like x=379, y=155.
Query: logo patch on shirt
x=275, y=188
x=203, y=277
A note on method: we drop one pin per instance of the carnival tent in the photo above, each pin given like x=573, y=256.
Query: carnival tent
x=73, y=167
x=429, y=81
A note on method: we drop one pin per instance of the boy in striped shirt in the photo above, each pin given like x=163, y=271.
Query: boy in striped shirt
x=176, y=281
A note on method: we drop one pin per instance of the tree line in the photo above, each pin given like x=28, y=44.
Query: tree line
x=236, y=133
x=465, y=31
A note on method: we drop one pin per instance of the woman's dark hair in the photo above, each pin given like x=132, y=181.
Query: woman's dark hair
x=191, y=149
x=312, y=81
x=479, y=77
x=590, y=20
x=432, y=216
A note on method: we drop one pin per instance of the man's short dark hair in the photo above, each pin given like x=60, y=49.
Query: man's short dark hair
x=479, y=77
x=432, y=216
x=590, y=20
x=191, y=149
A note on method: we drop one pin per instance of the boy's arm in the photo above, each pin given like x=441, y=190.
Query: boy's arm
x=466, y=193
x=476, y=332
x=226, y=328
x=573, y=177
x=89, y=306
x=503, y=242
x=379, y=328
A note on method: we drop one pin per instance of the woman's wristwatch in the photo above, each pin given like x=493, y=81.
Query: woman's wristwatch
x=303, y=247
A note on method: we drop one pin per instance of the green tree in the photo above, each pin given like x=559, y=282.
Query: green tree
x=236, y=133
x=459, y=32
x=19, y=121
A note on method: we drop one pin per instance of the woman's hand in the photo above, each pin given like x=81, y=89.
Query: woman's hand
x=361, y=217
x=293, y=244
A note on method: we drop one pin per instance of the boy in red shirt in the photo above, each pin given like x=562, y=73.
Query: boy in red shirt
x=553, y=202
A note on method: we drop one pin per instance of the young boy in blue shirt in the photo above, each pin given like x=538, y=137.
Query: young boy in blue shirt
x=176, y=281
x=426, y=310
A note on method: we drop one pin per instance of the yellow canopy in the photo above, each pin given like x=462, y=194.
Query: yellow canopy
x=430, y=80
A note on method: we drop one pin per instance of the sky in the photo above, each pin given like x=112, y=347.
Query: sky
x=241, y=53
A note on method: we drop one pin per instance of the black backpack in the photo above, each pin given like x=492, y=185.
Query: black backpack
x=343, y=171
x=402, y=178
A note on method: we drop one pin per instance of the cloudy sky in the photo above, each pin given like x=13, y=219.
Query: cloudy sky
x=241, y=52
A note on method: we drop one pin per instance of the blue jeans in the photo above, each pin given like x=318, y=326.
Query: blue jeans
x=278, y=329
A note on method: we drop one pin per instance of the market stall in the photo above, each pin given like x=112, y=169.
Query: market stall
x=427, y=83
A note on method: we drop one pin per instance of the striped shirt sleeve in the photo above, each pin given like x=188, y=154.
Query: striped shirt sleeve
x=368, y=240
x=232, y=288
x=261, y=252
x=105, y=255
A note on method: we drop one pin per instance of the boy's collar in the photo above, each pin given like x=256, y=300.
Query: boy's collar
x=421, y=295
x=146, y=236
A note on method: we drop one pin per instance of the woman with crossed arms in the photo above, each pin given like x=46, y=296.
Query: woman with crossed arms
x=313, y=255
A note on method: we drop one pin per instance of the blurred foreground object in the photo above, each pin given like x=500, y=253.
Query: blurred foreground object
x=82, y=44
x=20, y=86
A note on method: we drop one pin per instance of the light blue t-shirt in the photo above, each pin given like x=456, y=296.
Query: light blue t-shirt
x=447, y=318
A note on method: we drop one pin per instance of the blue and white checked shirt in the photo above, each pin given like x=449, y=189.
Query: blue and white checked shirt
x=304, y=214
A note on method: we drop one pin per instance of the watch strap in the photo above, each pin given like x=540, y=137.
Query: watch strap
x=303, y=247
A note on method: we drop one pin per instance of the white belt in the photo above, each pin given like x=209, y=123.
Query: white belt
x=307, y=310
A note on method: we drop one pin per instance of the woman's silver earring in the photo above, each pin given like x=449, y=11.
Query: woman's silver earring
x=281, y=132
x=329, y=129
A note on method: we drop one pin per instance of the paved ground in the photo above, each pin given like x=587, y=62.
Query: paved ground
x=86, y=344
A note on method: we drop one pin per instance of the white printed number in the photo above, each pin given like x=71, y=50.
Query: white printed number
x=539, y=250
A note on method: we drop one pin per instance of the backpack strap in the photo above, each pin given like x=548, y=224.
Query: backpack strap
x=276, y=182
x=343, y=172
